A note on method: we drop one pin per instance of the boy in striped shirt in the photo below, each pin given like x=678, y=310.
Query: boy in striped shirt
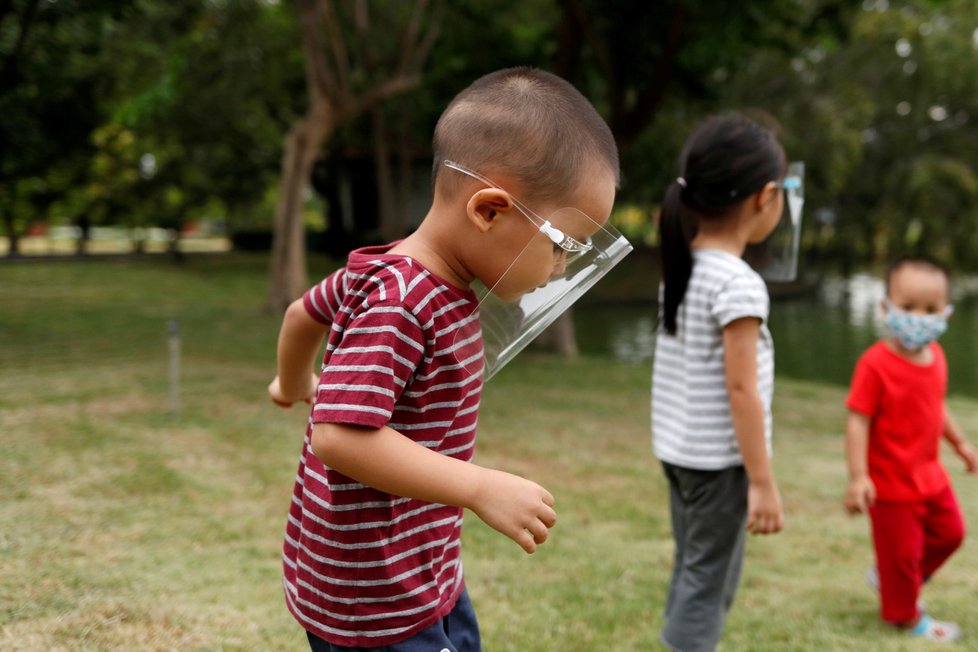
x=372, y=546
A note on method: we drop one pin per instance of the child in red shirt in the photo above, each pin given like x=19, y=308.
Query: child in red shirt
x=897, y=417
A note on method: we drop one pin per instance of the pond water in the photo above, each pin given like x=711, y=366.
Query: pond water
x=817, y=336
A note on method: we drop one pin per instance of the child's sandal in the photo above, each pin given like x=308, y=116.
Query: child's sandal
x=935, y=630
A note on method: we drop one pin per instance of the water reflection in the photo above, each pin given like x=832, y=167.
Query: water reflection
x=860, y=295
x=817, y=336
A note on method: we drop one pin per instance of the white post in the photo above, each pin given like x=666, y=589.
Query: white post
x=173, y=344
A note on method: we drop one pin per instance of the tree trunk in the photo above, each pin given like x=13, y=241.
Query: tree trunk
x=288, y=266
x=84, y=235
x=174, y=250
x=560, y=337
x=13, y=238
x=566, y=334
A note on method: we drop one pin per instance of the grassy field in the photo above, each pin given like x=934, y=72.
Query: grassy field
x=124, y=528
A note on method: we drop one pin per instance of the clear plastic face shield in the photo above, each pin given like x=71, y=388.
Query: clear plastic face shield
x=562, y=257
x=776, y=259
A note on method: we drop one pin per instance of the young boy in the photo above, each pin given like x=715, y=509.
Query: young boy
x=372, y=546
x=896, y=420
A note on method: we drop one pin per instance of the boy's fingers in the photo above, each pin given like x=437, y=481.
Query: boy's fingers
x=548, y=499
x=527, y=542
x=538, y=531
x=549, y=517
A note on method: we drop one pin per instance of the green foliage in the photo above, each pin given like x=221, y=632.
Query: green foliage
x=52, y=97
x=911, y=185
x=145, y=111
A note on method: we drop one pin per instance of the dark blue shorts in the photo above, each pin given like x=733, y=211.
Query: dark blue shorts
x=456, y=632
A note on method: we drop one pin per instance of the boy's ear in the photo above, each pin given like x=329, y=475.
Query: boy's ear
x=485, y=205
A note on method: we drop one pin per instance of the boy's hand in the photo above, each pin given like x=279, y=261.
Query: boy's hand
x=860, y=495
x=281, y=400
x=517, y=507
x=969, y=455
x=764, y=512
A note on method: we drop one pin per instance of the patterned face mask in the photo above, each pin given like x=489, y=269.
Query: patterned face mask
x=915, y=331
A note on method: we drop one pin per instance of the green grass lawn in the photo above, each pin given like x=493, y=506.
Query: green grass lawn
x=123, y=528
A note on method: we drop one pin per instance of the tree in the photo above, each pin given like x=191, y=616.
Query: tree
x=902, y=93
x=343, y=80
x=206, y=91
x=52, y=96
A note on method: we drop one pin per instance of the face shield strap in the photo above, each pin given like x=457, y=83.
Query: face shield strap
x=776, y=259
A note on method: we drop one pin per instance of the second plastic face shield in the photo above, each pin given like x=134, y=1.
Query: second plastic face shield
x=776, y=259
x=565, y=255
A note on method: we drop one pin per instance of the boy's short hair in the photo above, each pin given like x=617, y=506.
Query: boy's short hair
x=528, y=124
x=925, y=263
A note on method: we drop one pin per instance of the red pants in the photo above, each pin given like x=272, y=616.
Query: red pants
x=912, y=541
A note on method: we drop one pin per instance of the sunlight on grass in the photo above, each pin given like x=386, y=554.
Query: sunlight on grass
x=122, y=528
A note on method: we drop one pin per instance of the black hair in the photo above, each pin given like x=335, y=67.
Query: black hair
x=920, y=262
x=726, y=160
x=528, y=124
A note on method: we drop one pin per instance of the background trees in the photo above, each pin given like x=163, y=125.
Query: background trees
x=144, y=112
x=355, y=58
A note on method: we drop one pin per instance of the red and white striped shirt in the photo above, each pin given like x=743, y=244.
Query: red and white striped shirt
x=363, y=568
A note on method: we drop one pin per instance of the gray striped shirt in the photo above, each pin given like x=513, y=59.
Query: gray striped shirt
x=691, y=422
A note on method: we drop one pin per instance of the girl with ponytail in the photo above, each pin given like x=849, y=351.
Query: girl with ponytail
x=713, y=373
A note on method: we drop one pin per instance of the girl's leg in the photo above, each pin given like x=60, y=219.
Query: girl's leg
x=733, y=574
x=898, y=537
x=714, y=509
x=677, y=513
x=943, y=531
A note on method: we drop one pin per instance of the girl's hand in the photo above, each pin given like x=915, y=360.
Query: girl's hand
x=281, y=400
x=969, y=455
x=517, y=507
x=764, y=512
x=860, y=495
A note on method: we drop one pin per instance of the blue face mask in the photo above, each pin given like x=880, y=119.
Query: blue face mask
x=915, y=331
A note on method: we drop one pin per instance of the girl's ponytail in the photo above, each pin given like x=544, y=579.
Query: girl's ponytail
x=677, y=259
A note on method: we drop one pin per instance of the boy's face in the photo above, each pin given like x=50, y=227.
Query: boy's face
x=537, y=258
x=918, y=290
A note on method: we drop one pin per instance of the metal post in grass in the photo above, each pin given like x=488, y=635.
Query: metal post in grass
x=173, y=345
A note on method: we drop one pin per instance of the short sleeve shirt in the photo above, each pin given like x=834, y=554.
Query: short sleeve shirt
x=692, y=425
x=363, y=568
x=905, y=404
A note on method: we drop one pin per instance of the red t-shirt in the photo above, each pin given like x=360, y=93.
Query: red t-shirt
x=363, y=568
x=905, y=404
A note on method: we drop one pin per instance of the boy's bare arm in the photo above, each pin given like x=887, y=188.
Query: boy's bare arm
x=861, y=493
x=298, y=343
x=954, y=436
x=387, y=460
x=765, y=513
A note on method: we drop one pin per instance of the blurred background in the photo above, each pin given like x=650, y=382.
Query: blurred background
x=173, y=173
x=139, y=126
